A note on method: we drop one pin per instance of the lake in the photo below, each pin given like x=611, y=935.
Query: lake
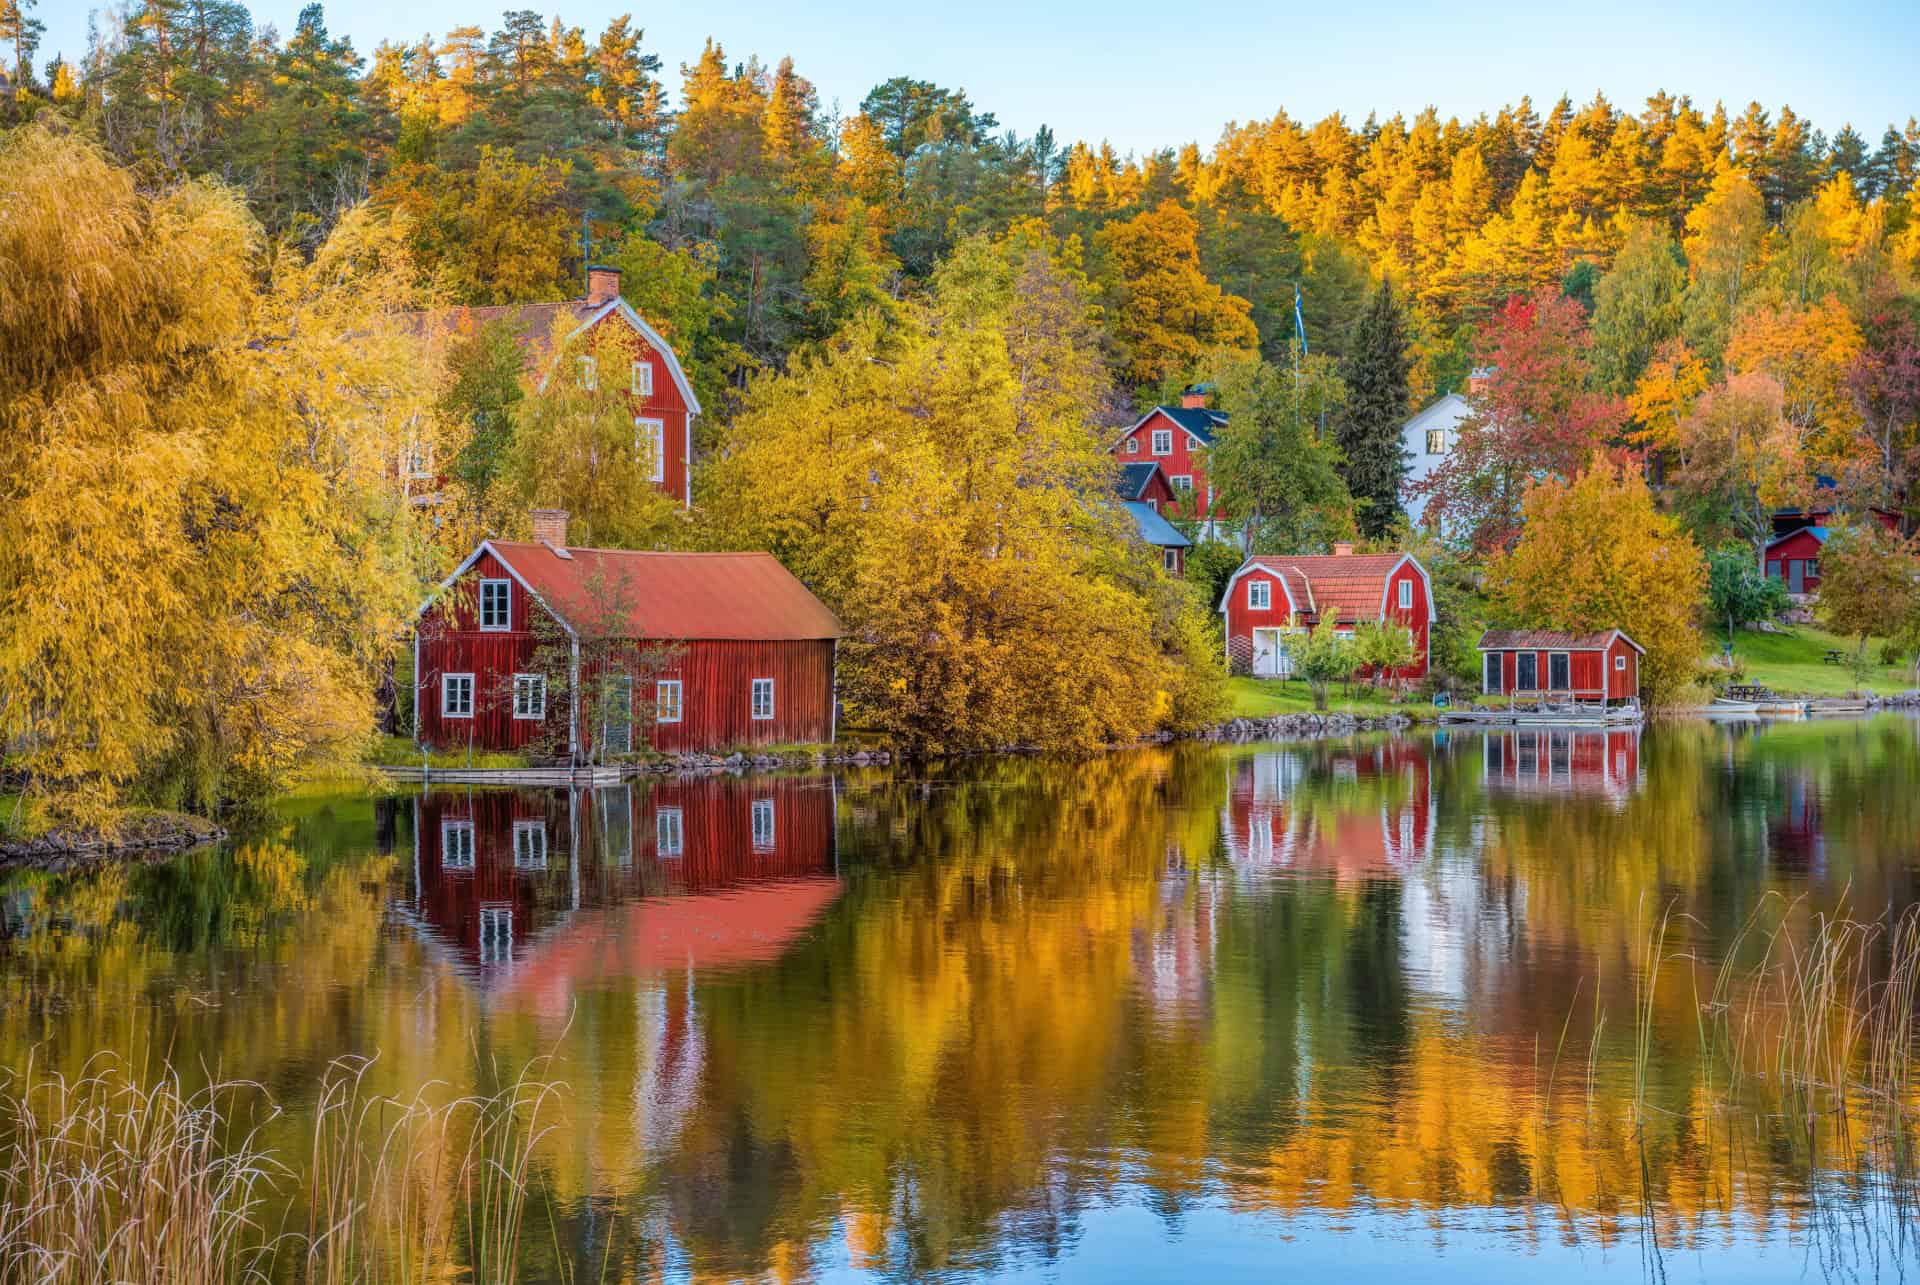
x=1376, y=1006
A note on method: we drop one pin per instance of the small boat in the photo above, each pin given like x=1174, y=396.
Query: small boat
x=1727, y=707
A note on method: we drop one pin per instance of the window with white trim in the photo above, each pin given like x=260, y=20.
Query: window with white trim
x=643, y=379
x=530, y=845
x=1182, y=484
x=589, y=373
x=1259, y=595
x=456, y=845
x=1163, y=441
x=763, y=698
x=1620, y=662
x=650, y=443
x=1133, y=446
x=1154, y=505
x=763, y=824
x=496, y=934
x=1436, y=441
x=669, y=833
x=530, y=696
x=496, y=605
x=456, y=696
x=666, y=701
x=1170, y=559
x=1406, y=595
x=420, y=459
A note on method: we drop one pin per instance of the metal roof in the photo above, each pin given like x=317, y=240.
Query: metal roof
x=1134, y=479
x=626, y=593
x=1154, y=528
x=1552, y=640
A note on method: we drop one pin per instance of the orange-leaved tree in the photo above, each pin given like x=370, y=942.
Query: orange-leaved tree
x=1596, y=554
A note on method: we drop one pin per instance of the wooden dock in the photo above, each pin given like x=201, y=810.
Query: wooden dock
x=544, y=776
x=1572, y=715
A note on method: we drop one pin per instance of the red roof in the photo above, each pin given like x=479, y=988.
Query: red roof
x=747, y=596
x=1339, y=587
x=1551, y=640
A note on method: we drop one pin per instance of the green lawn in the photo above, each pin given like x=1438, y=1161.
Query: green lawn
x=400, y=751
x=1266, y=697
x=1791, y=663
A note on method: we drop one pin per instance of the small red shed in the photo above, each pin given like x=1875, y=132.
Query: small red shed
x=1795, y=558
x=1531, y=664
x=1274, y=595
x=680, y=651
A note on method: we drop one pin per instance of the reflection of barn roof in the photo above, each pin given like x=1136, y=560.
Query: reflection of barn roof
x=670, y=595
x=1552, y=640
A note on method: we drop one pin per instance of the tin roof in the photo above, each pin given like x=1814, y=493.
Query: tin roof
x=730, y=596
x=1135, y=478
x=1155, y=529
x=1551, y=640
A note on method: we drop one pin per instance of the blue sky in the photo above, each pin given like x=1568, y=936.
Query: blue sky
x=1149, y=75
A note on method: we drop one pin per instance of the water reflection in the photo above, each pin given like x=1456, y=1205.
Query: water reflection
x=1140, y=1016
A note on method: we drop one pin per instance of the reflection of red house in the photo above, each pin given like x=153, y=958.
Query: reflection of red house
x=1796, y=841
x=1268, y=828
x=1563, y=760
x=537, y=891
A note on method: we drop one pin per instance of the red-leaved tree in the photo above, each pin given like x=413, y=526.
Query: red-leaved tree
x=1885, y=385
x=1534, y=417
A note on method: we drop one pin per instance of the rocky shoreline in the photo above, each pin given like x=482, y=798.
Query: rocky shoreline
x=1300, y=727
x=150, y=834
x=742, y=762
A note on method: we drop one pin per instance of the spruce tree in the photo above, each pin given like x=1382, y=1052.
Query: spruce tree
x=1368, y=429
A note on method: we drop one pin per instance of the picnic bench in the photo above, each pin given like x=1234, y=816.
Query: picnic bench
x=1748, y=692
x=1834, y=656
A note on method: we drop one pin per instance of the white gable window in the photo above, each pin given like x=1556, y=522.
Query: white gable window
x=1436, y=441
x=1259, y=595
x=669, y=833
x=763, y=698
x=1133, y=446
x=643, y=379
x=666, y=701
x=530, y=696
x=496, y=605
x=1620, y=662
x=1154, y=505
x=1406, y=595
x=763, y=823
x=456, y=845
x=456, y=695
x=1163, y=441
x=589, y=373
x=650, y=444
x=420, y=459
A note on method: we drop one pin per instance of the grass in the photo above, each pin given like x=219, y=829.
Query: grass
x=1791, y=663
x=400, y=751
x=21, y=817
x=1268, y=697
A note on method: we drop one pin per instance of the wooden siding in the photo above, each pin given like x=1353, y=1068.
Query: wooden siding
x=1187, y=460
x=716, y=696
x=1242, y=620
x=665, y=403
x=1563, y=760
x=1591, y=673
x=1802, y=547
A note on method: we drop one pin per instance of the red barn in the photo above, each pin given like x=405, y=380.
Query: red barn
x=553, y=337
x=1273, y=595
x=1795, y=558
x=1176, y=438
x=680, y=651
x=1532, y=664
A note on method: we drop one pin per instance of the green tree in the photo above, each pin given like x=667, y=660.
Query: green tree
x=1269, y=466
x=485, y=370
x=1320, y=655
x=1636, y=307
x=1367, y=427
x=1738, y=593
x=1869, y=585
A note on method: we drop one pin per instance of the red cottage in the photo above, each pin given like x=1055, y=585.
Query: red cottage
x=1534, y=663
x=697, y=651
x=1795, y=558
x=662, y=400
x=1272, y=595
x=1176, y=438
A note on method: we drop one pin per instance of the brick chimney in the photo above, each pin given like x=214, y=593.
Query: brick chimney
x=550, y=527
x=1195, y=396
x=603, y=285
x=1340, y=550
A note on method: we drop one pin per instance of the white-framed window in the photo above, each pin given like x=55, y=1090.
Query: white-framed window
x=1133, y=446
x=589, y=373
x=650, y=442
x=1163, y=441
x=496, y=605
x=530, y=845
x=420, y=459
x=1182, y=483
x=1259, y=595
x=666, y=701
x=1559, y=671
x=1620, y=662
x=1406, y=595
x=1154, y=505
x=1170, y=559
x=496, y=934
x=456, y=845
x=1492, y=682
x=530, y=696
x=669, y=833
x=763, y=823
x=643, y=379
x=1436, y=441
x=456, y=696
x=763, y=698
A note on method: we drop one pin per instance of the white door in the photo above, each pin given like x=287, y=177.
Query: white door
x=1270, y=659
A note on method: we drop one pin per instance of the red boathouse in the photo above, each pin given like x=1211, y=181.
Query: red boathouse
x=1531, y=664
x=1274, y=595
x=676, y=651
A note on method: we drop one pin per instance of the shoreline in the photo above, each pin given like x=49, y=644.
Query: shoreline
x=143, y=835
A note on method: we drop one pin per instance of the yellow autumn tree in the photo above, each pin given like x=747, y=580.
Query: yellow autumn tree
x=1164, y=311
x=1664, y=395
x=1596, y=554
x=1810, y=351
x=203, y=548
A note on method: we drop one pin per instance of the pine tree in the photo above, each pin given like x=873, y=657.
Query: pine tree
x=1367, y=431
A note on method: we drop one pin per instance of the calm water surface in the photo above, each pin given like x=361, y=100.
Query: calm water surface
x=1203, y=1013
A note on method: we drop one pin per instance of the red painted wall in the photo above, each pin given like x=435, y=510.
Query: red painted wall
x=1800, y=546
x=1242, y=620
x=1591, y=672
x=716, y=678
x=1187, y=459
x=665, y=403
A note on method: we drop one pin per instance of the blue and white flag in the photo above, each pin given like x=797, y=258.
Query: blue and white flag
x=1299, y=321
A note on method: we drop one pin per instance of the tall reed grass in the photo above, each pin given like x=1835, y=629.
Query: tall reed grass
x=105, y=1179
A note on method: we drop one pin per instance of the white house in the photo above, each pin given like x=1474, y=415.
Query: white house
x=1425, y=439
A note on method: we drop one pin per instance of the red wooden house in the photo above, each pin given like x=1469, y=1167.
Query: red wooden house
x=1532, y=664
x=1274, y=595
x=680, y=651
x=1795, y=558
x=554, y=337
x=1176, y=438
x=1145, y=482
